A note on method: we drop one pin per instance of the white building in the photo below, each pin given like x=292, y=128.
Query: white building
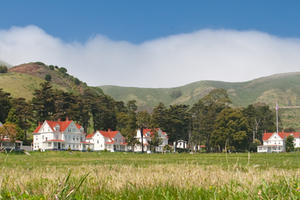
x=107, y=140
x=147, y=135
x=60, y=135
x=275, y=142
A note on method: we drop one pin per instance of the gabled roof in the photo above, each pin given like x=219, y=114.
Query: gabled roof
x=108, y=134
x=62, y=124
x=37, y=128
x=89, y=136
x=148, y=130
x=283, y=135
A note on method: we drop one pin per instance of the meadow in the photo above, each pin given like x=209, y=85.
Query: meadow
x=103, y=175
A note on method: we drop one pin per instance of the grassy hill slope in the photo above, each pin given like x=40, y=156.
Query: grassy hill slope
x=22, y=80
x=281, y=88
x=284, y=88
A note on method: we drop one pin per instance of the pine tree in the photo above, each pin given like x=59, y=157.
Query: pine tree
x=43, y=102
x=5, y=105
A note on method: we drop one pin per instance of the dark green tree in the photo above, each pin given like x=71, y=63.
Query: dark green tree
x=143, y=119
x=261, y=119
x=204, y=114
x=289, y=144
x=21, y=115
x=231, y=131
x=66, y=105
x=5, y=105
x=159, y=116
x=3, y=69
x=177, y=122
x=43, y=102
x=155, y=140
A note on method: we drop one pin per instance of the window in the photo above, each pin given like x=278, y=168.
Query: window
x=42, y=137
x=49, y=144
x=97, y=141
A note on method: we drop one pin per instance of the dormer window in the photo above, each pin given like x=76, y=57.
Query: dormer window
x=57, y=127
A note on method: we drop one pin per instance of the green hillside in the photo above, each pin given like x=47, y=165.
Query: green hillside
x=22, y=80
x=281, y=88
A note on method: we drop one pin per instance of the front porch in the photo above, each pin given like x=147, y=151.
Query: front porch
x=62, y=145
x=270, y=148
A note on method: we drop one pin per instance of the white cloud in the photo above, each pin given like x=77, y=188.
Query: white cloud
x=226, y=55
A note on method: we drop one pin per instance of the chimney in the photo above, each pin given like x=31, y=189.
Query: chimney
x=67, y=118
x=58, y=119
x=109, y=130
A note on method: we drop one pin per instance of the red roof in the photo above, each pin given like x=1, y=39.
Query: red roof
x=148, y=130
x=62, y=124
x=86, y=142
x=109, y=142
x=37, y=129
x=54, y=141
x=78, y=126
x=108, y=134
x=283, y=135
x=89, y=136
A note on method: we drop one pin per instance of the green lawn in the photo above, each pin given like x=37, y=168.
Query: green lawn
x=149, y=176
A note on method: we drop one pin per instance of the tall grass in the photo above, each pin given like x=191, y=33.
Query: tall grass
x=61, y=175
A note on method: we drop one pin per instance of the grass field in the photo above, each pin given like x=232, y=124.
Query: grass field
x=77, y=175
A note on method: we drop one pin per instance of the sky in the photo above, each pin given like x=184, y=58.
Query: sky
x=154, y=43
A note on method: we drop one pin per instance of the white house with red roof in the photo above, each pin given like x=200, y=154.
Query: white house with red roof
x=60, y=135
x=147, y=135
x=275, y=142
x=107, y=140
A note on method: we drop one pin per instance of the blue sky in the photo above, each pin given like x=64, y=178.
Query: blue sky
x=158, y=43
x=137, y=21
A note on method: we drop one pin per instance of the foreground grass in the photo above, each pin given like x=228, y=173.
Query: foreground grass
x=155, y=176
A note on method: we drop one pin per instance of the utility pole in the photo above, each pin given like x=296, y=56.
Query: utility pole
x=277, y=117
x=142, y=138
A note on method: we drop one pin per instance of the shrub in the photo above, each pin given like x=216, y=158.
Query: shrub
x=40, y=63
x=76, y=81
x=63, y=70
x=3, y=69
x=51, y=67
x=48, y=77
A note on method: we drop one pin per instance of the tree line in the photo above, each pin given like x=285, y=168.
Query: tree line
x=212, y=121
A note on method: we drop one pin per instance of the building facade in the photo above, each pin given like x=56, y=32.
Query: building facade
x=275, y=142
x=147, y=136
x=60, y=135
x=107, y=140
